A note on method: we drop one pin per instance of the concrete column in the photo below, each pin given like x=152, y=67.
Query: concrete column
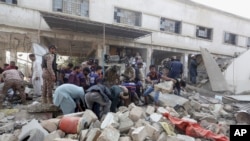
x=184, y=59
x=149, y=58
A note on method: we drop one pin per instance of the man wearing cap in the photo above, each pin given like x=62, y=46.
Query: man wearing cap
x=49, y=76
x=193, y=69
x=118, y=93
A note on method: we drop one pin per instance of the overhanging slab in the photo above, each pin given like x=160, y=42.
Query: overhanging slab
x=75, y=24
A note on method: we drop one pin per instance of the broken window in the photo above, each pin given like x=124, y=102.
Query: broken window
x=74, y=7
x=230, y=38
x=127, y=17
x=203, y=32
x=170, y=25
x=9, y=1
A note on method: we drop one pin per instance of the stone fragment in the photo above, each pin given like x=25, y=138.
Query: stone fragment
x=109, y=134
x=93, y=134
x=135, y=114
x=39, y=107
x=152, y=132
x=109, y=120
x=49, y=126
x=189, y=119
x=9, y=127
x=210, y=119
x=199, y=115
x=8, y=137
x=125, y=125
x=83, y=134
x=185, y=137
x=33, y=124
x=195, y=105
x=139, y=134
x=89, y=117
x=71, y=136
x=52, y=136
x=150, y=110
x=95, y=124
x=162, y=137
x=124, y=139
x=155, y=117
x=2, y=115
x=161, y=110
x=131, y=106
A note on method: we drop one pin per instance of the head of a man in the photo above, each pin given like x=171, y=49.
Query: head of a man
x=98, y=69
x=152, y=68
x=32, y=57
x=86, y=71
x=52, y=49
x=77, y=69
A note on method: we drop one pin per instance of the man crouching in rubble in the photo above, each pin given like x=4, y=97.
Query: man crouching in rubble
x=12, y=79
x=99, y=94
x=69, y=97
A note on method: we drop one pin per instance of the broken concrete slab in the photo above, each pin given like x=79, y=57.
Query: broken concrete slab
x=8, y=137
x=155, y=117
x=93, y=134
x=9, y=127
x=239, y=98
x=170, y=100
x=109, y=134
x=237, y=74
x=139, y=134
x=125, y=125
x=216, y=78
x=89, y=116
x=33, y=124
x=83, y=134
x=40, y=107
x=124, y=139
x=49, y=126
x=135, y=113
x=109, y=120
x=150, y=110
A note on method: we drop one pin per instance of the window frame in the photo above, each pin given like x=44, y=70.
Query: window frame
x=129, y=10
x=230, y=42
x=171, y=20
x=210, y=35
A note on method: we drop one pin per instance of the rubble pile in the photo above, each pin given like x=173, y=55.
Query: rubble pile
x=133, y=123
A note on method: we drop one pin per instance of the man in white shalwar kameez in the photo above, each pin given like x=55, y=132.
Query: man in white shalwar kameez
x=36, y=79
x=68, y=97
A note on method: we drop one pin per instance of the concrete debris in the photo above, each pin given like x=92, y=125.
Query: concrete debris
x=132, y=123
x=8, y=137
x=216, y=78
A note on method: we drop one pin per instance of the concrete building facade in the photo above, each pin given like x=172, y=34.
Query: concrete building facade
x=155, y=29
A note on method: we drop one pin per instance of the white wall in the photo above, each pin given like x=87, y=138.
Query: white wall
x=21, y=17
x=44, y=5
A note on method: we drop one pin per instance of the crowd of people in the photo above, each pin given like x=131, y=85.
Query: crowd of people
x=84, y=86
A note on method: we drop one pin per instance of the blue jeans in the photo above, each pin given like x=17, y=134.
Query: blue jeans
x=151, y=89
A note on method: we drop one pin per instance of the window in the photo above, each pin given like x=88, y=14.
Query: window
x=74, y=7
x=248, y=42
x=230, y=38
x=170, y=25
x=127, y=17
x=9, y=1
x=203, y=32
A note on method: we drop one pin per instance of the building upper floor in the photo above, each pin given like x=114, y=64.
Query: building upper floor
x=171, y=22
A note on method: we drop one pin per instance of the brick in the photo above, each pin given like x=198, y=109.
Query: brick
x=135, y=114
x=125, y=125
x=150, y=110
x=139, y=134
x=89, y=117
x=109, y=134
x=93, y=134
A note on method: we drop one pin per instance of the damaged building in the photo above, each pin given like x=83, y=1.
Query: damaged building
x=91, y=28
